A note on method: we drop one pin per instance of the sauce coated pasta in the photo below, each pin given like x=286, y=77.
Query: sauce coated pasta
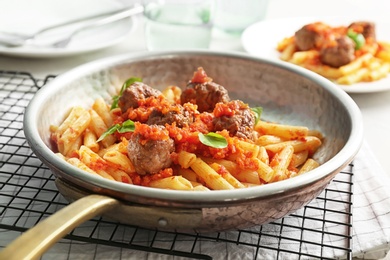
x=343, y=54
x=192, y=139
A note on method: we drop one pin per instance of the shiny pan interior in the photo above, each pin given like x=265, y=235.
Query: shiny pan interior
x=287, y=93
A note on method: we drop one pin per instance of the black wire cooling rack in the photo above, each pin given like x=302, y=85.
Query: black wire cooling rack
x=320, y=230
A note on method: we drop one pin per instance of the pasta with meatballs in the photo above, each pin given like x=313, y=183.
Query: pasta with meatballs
x=344, y=54
x=196, y=138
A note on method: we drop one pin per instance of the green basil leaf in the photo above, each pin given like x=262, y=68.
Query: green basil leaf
x=114, y=103
x=127, y=126
x=109, y=131
x=125, y=85
x=258, y=111
x=358, y=38
x=213, y=140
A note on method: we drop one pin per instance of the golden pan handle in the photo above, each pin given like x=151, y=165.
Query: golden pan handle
x=37, y=240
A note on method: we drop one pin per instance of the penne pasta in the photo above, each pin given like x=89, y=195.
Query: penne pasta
x=102, y=109
x=273, y=153
x=230, y=166
x=280, y=163
x=212, y=179
x=268, y=139
x=300, y=57
x=89, y=140
x=310, y=143
x=79, y=164
x=287, y=52
x=263, y=155
x=173, y=183
x=366, y=63
x=284, y=43
x=72, y=150
x=379, y=72
x=247, y=176
x=188, y=174
x=73, y=132
x=354, y=77
x=186, y=159
x=70, y=119
x=283, y=131
x=265, y=172
x=172, y=93
x=355, y=65
x=299, y=158
x=249, y=147
x=120, y=160
x=228, y=177
x=99, y=127
x=199, y=187
x=309, y=165
x=118, y=175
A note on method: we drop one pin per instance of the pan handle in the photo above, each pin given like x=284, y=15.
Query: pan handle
x=34, y=242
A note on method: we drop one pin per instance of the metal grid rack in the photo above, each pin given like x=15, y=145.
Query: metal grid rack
x=321, y=230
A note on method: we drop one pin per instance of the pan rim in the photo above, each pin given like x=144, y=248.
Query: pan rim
x=335, y=164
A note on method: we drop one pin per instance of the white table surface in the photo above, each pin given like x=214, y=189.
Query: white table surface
x=375, y=107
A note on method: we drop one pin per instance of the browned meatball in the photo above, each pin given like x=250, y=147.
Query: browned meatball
x=309, y=36
x=150, y=156
x=339, y=53
x=239, y=124
x=178, y=115
x=204, y=95
x=135, y=92
x=365, y=28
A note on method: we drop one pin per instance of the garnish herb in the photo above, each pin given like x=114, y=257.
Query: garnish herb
x=125, y=85
x=258, y=111
x=127, y=126
x=358, y=38
x=204, y=15
x=213, y=140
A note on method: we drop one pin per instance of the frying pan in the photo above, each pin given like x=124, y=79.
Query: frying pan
x=287, y=93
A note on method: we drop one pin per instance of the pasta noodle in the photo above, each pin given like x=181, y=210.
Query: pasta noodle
x=92, y=140
x=370, y=60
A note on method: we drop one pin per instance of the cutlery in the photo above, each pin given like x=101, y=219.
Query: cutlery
x=15, y=40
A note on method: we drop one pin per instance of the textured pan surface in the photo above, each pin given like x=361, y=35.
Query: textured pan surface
x=288, y=94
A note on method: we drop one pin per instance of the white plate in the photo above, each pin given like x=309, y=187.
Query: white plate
x=261, y=39
x=26, y=16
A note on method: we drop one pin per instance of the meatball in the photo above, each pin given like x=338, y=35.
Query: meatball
x=150, y=156
x=365, y=28
x=204, y=95
x=135, y=92
x=339, y=52
x=309, y=36
x=178, y=115
x=239, y=121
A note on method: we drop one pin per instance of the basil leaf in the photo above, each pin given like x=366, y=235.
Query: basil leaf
x=114, y=103
x=125, y=85
x=358, y=38
x=127, y=126
x=258, y=111
x=109, y=131
x=213, y=140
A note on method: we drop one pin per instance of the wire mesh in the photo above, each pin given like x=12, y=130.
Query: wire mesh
x=320, y=230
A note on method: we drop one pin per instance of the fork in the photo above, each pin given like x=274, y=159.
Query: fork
x=15, y=40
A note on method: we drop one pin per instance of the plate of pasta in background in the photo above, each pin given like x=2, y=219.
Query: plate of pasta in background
x=354, y=53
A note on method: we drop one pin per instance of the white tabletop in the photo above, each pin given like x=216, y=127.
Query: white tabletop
x=375, y=107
